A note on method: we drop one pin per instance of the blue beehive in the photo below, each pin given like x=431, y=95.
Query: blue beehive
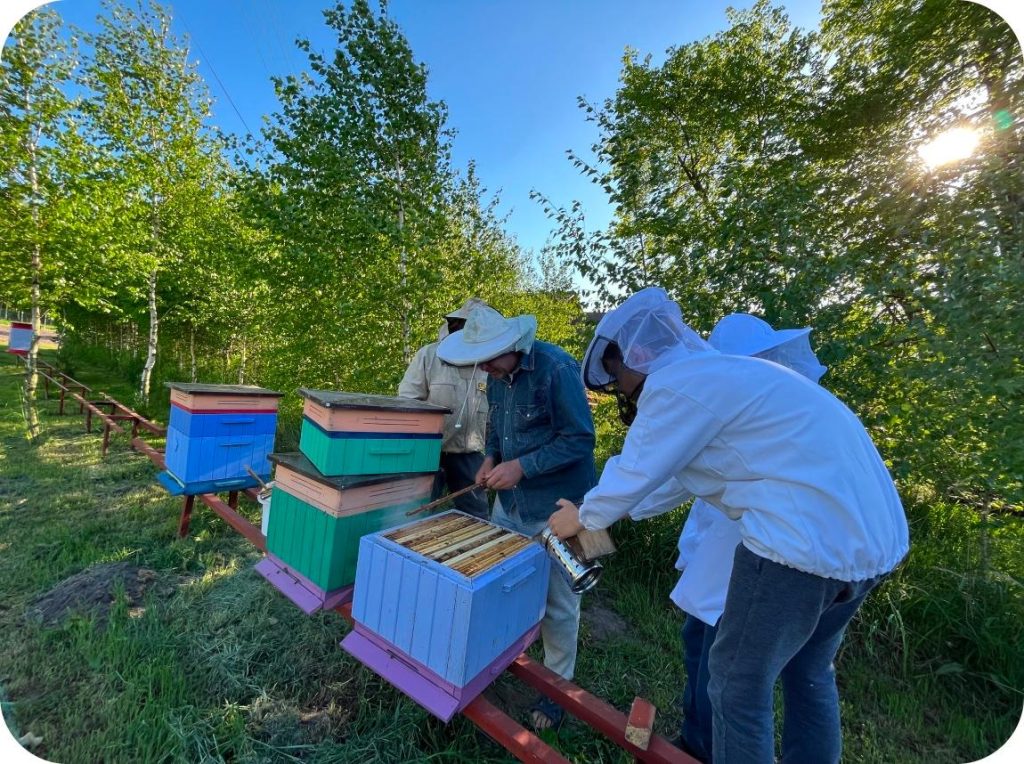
x=216, y=432
x=455, y=598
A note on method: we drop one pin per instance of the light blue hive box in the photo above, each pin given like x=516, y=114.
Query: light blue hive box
x=444, y=605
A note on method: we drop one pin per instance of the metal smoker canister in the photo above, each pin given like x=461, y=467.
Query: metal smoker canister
x=581, y=575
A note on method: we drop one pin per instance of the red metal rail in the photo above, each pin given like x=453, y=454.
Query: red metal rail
x=504, y=730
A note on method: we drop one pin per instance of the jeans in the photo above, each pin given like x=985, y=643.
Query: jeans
x=458, y=471
x=561, y=623
x=696, y=730
x=779, y=622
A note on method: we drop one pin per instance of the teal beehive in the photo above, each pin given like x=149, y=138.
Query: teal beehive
x=317, y=521
x=355, y=434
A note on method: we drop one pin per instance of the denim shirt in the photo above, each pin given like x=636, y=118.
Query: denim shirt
x=541, y=417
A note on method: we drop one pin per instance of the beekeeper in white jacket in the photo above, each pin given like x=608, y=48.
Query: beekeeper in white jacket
x=819, y=519
x=709, y=537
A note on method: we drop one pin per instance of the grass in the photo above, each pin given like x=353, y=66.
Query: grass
x=215, y=666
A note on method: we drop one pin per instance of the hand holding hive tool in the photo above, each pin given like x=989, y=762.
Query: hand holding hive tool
x=444, y=500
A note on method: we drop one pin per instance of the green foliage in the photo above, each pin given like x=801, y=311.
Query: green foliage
x=323, y=257
x=35, y=114
x=773, y=170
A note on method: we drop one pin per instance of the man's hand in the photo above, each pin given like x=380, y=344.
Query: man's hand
x=484, y=471
x=565, y=523
x=504, y=476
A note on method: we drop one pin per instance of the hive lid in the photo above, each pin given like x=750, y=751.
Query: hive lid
x=202, y=387
x=332, y=399
x=298, y=462
x=463, y=543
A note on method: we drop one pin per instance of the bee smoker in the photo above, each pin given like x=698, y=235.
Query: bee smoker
x=581, y=574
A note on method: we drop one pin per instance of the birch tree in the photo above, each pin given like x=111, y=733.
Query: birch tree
x=34, y=110
x=146, y=112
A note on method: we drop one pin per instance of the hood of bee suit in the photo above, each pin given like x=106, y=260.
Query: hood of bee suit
x=649, y=331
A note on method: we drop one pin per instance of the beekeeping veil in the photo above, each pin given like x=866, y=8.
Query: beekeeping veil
x=743, y=334
x=650, y=332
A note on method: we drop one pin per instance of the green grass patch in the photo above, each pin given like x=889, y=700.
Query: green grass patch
x=210, y=664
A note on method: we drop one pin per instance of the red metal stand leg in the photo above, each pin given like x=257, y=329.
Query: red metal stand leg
x=520, y=742
x=186, y=516
x=61, y=409
x=595, y=712
x=88, y=420
x=233, y=499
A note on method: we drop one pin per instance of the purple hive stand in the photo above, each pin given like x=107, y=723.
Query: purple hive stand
x=440, y=697
x=308, y=596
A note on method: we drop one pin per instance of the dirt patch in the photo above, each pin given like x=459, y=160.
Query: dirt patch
x=603, y=623
x=93, y=591
x=285, y=723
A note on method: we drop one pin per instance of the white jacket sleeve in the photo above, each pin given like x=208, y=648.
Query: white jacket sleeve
x=670, y=430
x=664, y=499
x=414, y=384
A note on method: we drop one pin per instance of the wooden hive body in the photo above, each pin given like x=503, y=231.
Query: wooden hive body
x=20, y=338
x=216, y=432
x=316, y=521
x=457, y=597
x=354, y=434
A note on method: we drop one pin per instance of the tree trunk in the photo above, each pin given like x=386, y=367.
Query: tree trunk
x=241, y=366
x=147, y=369
x=192, y=350
x=32, y=370
x=403, y=269
x=32, y=375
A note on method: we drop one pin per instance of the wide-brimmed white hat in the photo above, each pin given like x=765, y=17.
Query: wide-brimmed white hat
x=744, y=334
x=470, y=305
x=487, y=335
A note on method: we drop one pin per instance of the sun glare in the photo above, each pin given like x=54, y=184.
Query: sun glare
x=950, y=146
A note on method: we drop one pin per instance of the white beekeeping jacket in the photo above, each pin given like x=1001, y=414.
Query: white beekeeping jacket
x=709, y=538
x=774, y=452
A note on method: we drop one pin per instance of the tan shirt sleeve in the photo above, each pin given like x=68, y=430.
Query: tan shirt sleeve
x=415, y=383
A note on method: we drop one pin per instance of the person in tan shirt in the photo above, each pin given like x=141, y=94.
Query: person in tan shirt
x=464, y=391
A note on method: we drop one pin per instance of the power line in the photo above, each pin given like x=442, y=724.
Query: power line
x=251, y=30
x=275, y=31
x=213, y=70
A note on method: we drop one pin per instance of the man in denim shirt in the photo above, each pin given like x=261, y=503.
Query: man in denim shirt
x=540, y=448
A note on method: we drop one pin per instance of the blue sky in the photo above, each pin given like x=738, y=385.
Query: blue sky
x=509, y=70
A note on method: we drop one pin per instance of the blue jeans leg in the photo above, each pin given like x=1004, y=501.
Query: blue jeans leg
x=811, y=728
x=778, y=621
x=696, y=730
x=559, y=629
